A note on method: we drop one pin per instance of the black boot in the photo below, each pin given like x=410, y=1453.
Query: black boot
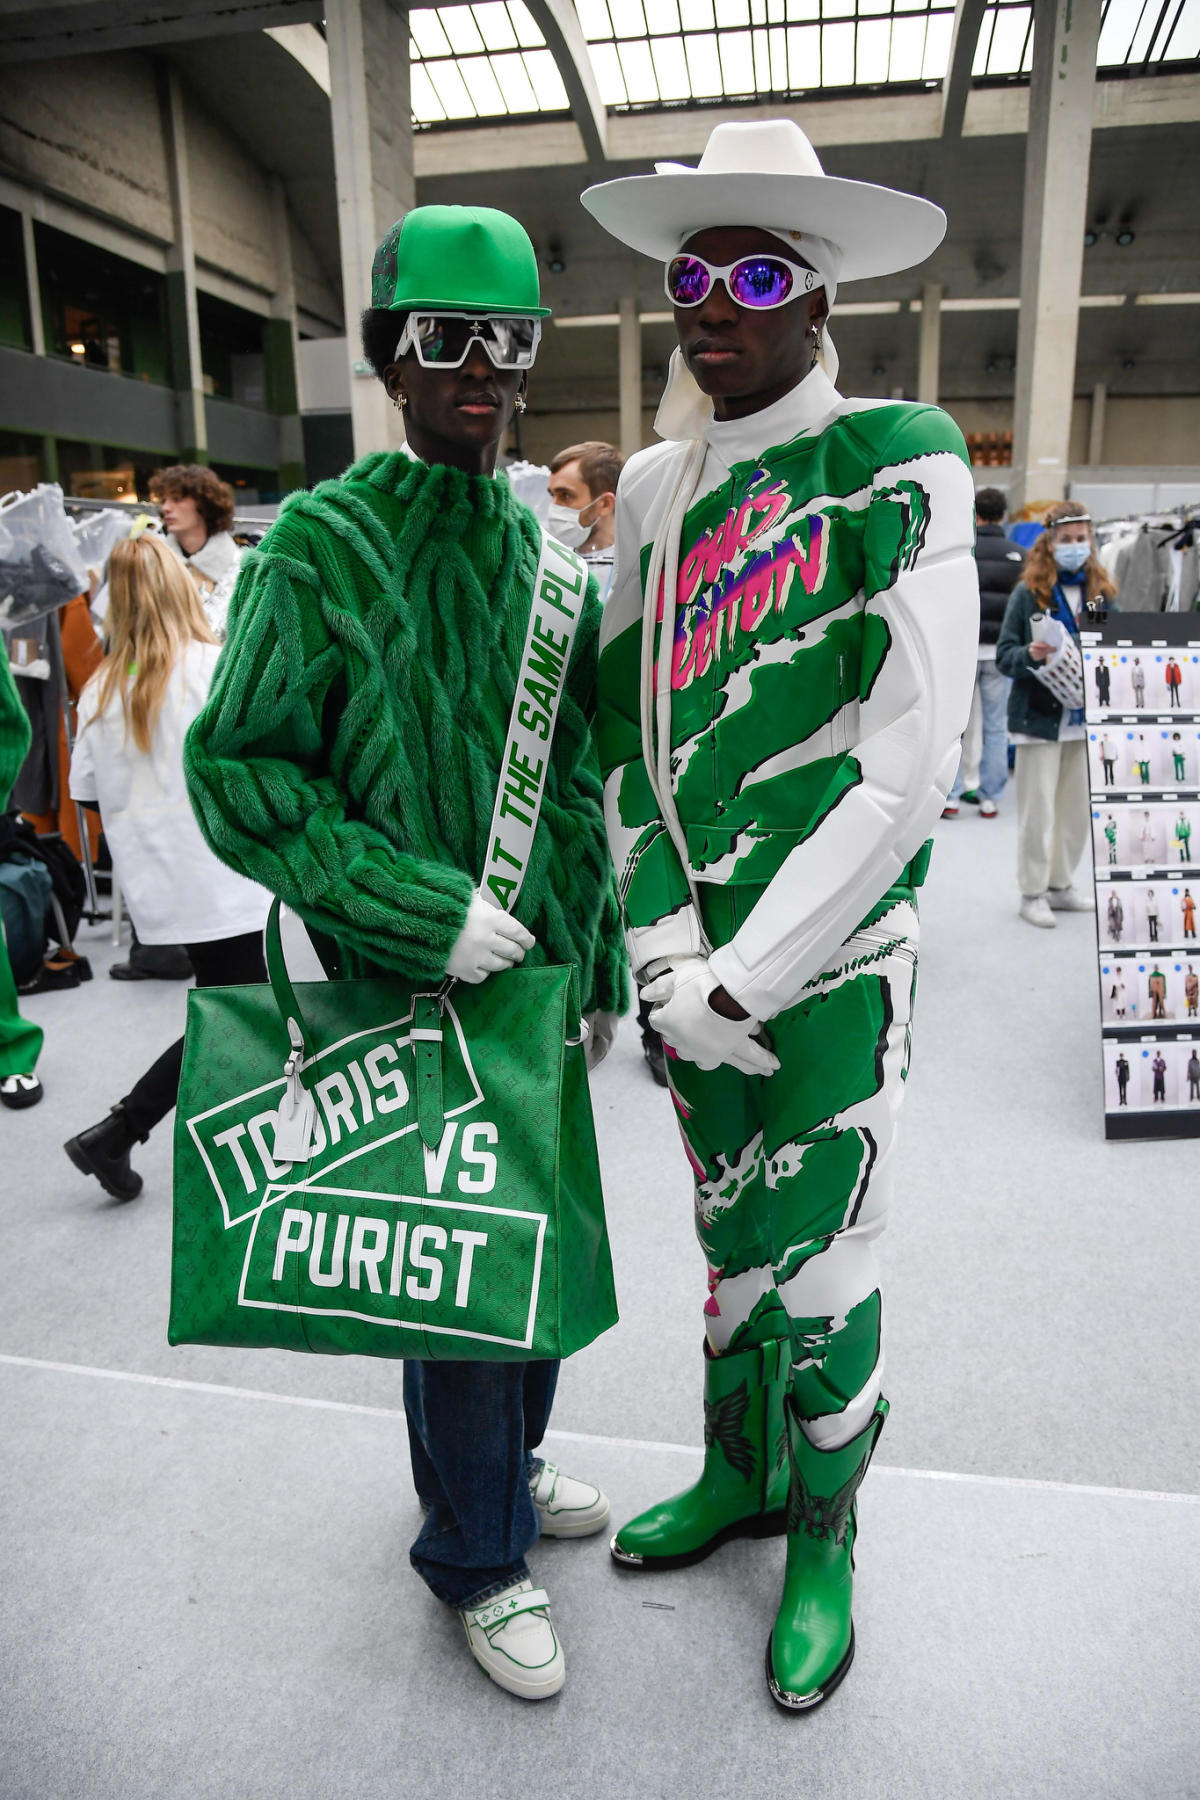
x=153, y=962
x=652, y=1045
x=103, y=1151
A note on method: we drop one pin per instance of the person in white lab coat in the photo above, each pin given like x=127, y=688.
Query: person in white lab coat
x=128, y=765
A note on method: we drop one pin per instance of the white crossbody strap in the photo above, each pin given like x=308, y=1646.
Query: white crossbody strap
x=559, y=590
x=663, y=576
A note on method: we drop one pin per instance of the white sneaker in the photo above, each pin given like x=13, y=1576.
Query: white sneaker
x=1036, y=909
x=987, y=809
x=513, y=1641
x=567, y=1508
x=1068, y=900
x=950, y=810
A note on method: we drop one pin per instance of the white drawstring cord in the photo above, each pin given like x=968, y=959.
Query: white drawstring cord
x=656, y=697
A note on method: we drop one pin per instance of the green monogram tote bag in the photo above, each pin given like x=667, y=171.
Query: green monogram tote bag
x=372, y=1168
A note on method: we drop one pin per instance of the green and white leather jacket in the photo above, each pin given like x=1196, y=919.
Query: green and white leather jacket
x=825, y=630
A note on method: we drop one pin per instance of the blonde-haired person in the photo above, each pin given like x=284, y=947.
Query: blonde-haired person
x=1064, y=583
x=128, y=764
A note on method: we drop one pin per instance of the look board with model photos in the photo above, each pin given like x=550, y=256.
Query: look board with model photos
x=1142, y=682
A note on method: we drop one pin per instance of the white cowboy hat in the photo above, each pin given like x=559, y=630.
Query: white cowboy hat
x=768, y=174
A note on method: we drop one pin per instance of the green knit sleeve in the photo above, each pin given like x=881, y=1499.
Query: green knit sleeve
x=272, y=784
x=610, y=970
x=14, y=729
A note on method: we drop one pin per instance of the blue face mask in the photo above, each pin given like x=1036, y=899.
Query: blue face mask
x=1071, y=557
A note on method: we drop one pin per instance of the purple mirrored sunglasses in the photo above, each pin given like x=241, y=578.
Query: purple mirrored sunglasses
x=759, y=282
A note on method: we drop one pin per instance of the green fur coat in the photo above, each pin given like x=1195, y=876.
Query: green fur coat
x=349, y=753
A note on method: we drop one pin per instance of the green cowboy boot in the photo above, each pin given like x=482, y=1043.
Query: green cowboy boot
x=742, y=1491
x=812, y=1645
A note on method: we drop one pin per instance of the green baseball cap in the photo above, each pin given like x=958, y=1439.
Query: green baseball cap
x=457, y=259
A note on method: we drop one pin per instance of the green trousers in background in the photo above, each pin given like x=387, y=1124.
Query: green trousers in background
x=20, y=1041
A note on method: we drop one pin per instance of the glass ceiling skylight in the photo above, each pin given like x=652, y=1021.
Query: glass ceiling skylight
x=479, y=62
x=648, y=52
x=1148, y=33
x=1134, y=35
x=490, y=60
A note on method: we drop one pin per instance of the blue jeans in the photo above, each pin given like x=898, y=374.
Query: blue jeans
x=472, y=1431
x=989, y=721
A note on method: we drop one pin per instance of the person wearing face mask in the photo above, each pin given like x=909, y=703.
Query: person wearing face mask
x=1064, y=583
x=583, y=492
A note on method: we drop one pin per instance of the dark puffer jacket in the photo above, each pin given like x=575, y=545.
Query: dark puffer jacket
x=1000, y=562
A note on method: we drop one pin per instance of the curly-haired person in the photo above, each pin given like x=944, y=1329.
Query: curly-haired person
x=197, y=510
x=1064, y=583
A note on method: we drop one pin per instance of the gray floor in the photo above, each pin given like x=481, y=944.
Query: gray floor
x=204, y=1589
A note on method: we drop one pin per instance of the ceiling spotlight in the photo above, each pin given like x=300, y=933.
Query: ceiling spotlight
x=1128, y=364
x=878, y=369
x=555, y=261
x=1089, y=239
x=1125, y=237
x=77, y=348
x=989, y=368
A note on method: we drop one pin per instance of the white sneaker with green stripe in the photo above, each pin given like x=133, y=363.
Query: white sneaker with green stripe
x=567, y=1508
x=512, y=1639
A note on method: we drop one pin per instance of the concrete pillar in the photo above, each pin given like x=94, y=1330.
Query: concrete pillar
x=33, y=287
x=281, y=349
x=1057, y=157
x=183, y=316
x=48, y=449
x=373, y=163
x=1095, y=453
x=629, y=372
x=929, y=352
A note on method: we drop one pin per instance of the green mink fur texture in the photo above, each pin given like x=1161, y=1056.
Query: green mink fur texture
x=349, y=752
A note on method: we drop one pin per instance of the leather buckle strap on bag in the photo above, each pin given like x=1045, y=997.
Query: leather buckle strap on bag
x=425, y=1036
x=559, y=590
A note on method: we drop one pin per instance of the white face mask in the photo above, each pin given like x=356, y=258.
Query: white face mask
x=1071, y=557
x=565, y=524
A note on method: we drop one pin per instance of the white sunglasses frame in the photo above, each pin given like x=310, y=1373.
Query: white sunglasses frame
x=809, y=284
x=408, y=339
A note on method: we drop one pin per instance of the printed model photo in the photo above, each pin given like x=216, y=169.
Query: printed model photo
x=1181, y=752
x=1142, y=915
x=1119, y=993
x=1141, y=1077
x=1136, y=988
x=1155, y=836
x=1157, y=681
x=1138, y=915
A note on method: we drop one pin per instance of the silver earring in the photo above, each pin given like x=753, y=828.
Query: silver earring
x=520, y=403
x=816, y=336
x=400, y=402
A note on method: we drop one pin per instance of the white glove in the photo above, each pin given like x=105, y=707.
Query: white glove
x=490, y=940
x=602, y=1031
x=689, y=1025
